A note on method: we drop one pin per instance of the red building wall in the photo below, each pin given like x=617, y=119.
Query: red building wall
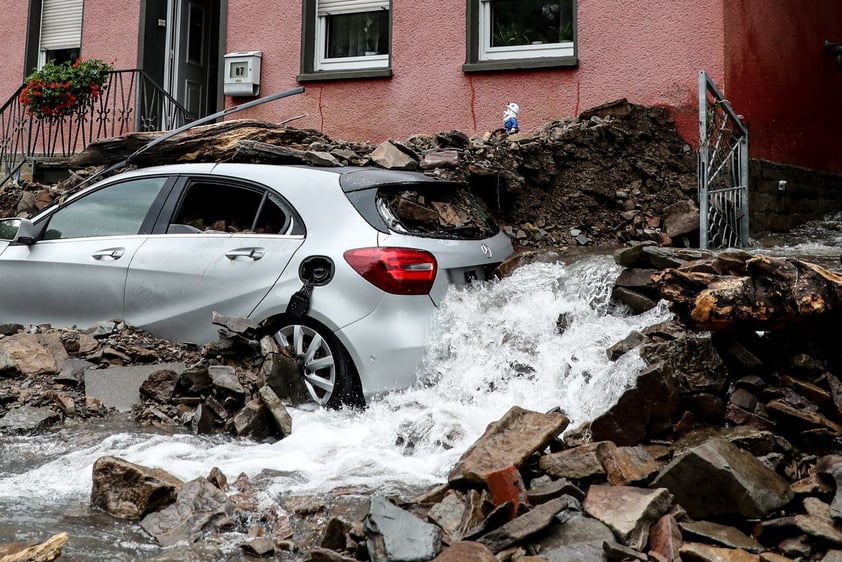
x=780, y=79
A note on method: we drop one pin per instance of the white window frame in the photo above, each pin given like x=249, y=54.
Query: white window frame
x=489, y=53
x=325, y=8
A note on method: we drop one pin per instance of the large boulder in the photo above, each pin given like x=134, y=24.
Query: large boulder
x=130, y=491
x=717, y=478
x=509, y=441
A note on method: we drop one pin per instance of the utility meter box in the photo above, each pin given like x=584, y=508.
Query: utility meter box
x=242, y=74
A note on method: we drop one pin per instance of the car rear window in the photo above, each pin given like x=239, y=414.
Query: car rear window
x=440, y=211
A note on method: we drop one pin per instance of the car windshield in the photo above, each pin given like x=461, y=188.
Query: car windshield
x=435, y=211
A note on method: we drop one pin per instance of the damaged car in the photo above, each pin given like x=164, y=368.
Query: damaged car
x=344, y=266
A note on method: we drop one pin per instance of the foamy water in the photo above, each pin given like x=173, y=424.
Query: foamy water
x=494, y=346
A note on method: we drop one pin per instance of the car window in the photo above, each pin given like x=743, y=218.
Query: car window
x=437, y=211
x=219, y=207
x=112, y=211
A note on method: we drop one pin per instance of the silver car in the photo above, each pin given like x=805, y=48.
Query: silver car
x=368, y=253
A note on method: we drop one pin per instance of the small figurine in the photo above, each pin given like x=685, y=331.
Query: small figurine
x=510, y=118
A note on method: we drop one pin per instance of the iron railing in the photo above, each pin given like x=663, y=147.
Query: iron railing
x=723, y=171
x=130, y=102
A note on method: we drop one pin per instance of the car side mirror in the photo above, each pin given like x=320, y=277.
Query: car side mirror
x=17, y=231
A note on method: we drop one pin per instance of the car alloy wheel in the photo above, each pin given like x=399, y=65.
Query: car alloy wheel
x=322, y=361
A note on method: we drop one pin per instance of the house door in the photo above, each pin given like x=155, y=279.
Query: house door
x=180, y=51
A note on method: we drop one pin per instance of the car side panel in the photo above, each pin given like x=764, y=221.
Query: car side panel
x=389, y=343
x=72, y=282
x=195, y=274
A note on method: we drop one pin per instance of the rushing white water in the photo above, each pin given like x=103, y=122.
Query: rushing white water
x=494, y=346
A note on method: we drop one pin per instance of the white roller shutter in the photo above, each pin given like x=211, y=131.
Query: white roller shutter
x=334, y=7
x=61, y=24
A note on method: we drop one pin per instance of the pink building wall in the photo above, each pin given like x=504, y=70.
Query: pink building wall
x=647, y=51
x=13, y=32
x=110, y=32
x=768, y=59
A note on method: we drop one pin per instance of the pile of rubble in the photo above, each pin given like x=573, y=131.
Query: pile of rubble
x=42, y=369
x=616, y=173
x=230, y=386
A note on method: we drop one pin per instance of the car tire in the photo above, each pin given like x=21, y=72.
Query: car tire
x=328, y=372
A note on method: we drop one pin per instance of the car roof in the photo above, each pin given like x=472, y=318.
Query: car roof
x=351, y=178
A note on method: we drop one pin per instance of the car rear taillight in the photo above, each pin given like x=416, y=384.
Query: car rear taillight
x=400, y=271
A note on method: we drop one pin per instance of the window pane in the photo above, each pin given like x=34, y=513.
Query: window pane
x=530, y=22
x=357, y=35
x=218, y=208
x=115, y=210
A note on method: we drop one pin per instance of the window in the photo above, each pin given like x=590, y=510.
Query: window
x=346, y=39
x=61, y=31
x=506, y=34
x=117, y=210
x=215, y=207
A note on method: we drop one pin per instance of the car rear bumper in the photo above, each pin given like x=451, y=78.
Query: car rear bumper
x=388, y=344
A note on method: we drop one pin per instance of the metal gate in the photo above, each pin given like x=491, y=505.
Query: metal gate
x=723, y=171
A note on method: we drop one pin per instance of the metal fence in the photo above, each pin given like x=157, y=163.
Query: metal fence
x=130, y=102
x=723, y=171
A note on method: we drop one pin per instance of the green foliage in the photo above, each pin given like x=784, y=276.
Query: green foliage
x=56, y=90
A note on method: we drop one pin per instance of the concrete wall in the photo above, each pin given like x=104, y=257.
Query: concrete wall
x=808, y=195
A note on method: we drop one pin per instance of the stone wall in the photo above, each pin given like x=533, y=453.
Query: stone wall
x=807, y=195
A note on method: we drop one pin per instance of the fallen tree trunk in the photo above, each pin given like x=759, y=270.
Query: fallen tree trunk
x=751, y=291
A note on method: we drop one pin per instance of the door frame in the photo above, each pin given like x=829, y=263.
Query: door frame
x=216, y=33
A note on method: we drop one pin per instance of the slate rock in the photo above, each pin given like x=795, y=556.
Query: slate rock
x=72, y=370
x=577, y=539
x=319, y=554
x=509, y=441
x=225, y=377
x=395, y=535
x=31, y=356
x=282, y=418
x=576, y=463
x=829, y=467
x=644, y=410
x=555, y=489
x=524, y=526
x=628, y=511
x=706, y=553
x=717, y=478
x=464, y=551
x=723, y=535
x=393, y=156
x=159, y=386
x=28, y=419
x=665, y=537
x=448, y=513
x=197, y=508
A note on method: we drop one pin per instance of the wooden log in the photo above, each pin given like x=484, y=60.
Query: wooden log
x=44, y=552
x=773, y=293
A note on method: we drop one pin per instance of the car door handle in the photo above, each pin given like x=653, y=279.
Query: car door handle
x=252, y=253
x=110, y=253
